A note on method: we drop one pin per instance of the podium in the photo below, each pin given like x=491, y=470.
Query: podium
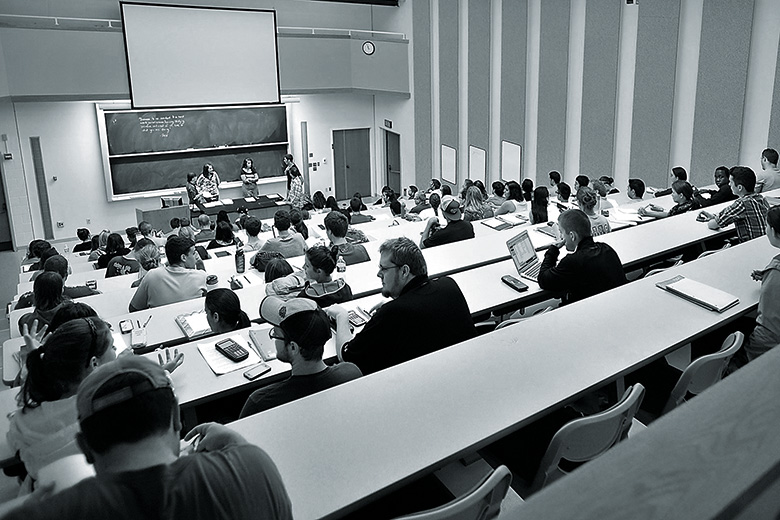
x=160, y=218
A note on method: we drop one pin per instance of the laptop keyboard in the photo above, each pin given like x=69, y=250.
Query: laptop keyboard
x=532, y=273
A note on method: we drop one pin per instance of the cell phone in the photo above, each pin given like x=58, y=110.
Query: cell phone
x=232, y=350
x=257, y=371
x=92, y=284
x=220, y=254
x=126, y=326
x=321, y=227
x=514, y=283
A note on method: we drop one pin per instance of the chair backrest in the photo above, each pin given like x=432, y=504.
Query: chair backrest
x=483, y=502
x=584, y=439
x=512, y=321
x=713, y=251
x=704, y=372
x=662, y=269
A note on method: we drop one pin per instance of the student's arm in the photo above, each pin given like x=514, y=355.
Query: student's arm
x=506, y=207
x=650, y=212
x=214, y=437
x=140, y=300
x=343, y=329
x=433, y=221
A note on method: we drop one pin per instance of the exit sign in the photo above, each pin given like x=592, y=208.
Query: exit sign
x=388, y=123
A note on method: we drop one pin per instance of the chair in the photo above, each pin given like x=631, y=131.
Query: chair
x=585, y=439
x=512, y=321
x=713, y=251
x=704, y=372
x=483, y=502
x=662, y=269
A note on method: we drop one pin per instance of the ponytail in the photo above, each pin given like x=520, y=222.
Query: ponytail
x=323, y=258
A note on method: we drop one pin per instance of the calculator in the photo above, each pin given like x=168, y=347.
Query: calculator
x=232, y=350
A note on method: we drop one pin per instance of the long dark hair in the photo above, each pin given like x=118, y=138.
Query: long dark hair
x=539, y=205
x=251, y=168
x=225, y=303
x=323, y=258
x=57, y=367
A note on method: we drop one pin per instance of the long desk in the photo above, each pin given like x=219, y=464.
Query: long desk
x=377, y=433
x=694, y=462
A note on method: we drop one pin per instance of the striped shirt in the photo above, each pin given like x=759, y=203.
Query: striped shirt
x=748, y=214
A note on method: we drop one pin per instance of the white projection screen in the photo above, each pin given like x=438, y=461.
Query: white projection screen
x=200, y=56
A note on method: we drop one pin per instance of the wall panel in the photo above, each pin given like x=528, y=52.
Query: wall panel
x=448, y=73
x=479, y=74
x=421, y=61
x=774, y=122
x=720, y=93
x=553, y=74
x=656, y=64
x=513, y=58
x=599, y=87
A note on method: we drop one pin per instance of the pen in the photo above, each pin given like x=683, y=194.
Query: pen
x=139, y=323
x=247, y=279
x=148, y=320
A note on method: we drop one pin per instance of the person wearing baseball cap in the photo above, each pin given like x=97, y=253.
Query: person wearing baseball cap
x=300, y=331
x=457, y=228
x=129, y=419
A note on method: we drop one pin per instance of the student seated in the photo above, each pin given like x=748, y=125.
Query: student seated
x=555, y=178
x=316, y=281
x=563, y=191
x=44, y=429
x=766, y=334
x=541, y=199
x=175, y=224
x=86, y=243
x=588, y=201
x=475, y=208
x=47, y=298
x=176, y=282
x=336, y=227
x=457, y=229
x=296, y=222
x=748, y=212
x=277, y=268
x=589, y=268
x=114, y=247
x=434, y=308
x=636, y=189
x=223, y=237
x=127, y=263
x=223, y=311
x=434, y=201
x=57, y=264
x=358, y=218
x=129, y=429
x=253, y=226
x=206, y=232
x=148, y=258
x=679, y=174
x=682, y=195
x=300, y=331
x=514, y=200
x=722, y=194
x=580, y=181
x=497, y=198
x=289, y=244
x=101, y=248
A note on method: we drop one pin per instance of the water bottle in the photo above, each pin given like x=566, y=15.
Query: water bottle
x=341, y=266
x=240, y=261
x=66, y=249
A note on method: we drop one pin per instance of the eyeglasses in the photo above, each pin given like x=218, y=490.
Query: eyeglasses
x=274, y=335
x=382, y=269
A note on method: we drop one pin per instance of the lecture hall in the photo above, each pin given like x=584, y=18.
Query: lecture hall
x=390, y=259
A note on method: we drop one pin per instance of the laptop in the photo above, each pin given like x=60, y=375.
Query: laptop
x=524, y=256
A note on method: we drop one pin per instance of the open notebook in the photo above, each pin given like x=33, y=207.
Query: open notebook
x=699, y=293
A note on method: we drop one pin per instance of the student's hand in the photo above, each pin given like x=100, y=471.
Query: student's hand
x=32, y=339
x=757, y=275
x=214, y=437
x=431, y=222
x=378, y=305
x=708, y=216
x=642, y=212
x=336, y=312
x=168, y=362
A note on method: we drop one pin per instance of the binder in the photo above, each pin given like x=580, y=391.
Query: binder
x=699, y=293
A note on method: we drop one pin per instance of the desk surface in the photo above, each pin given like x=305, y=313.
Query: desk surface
x=417, y=416
x=691, y=463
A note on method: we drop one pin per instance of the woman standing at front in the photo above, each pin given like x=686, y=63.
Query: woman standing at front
x=295, y=195
x=249, y=179
x=208, y=183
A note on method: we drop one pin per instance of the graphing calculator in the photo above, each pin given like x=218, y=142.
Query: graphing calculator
x=232, y=350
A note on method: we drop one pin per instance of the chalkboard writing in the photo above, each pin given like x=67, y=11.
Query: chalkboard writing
x=154, y=150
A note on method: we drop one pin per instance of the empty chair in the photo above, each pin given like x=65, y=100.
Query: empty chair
x=584, y=439
x=713, y=251
x=662, y=269
x=512, y=321
x=704, y=372
x=483, y=502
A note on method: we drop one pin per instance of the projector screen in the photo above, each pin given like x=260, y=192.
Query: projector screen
x=195, y=56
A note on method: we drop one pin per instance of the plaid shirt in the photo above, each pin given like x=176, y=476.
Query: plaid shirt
x=295, y=195
x=748, y=214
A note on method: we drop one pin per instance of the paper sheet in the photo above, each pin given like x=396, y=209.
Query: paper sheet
x=222, y=365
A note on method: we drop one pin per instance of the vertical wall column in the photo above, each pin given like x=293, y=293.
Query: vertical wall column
x=629, y=18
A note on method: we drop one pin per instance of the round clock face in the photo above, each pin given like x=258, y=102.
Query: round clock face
x=368, y=48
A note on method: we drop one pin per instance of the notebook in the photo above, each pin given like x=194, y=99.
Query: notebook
x=193, y=324
x=514, y=219
x=523, y=254
x=497, y=224
x=699, y=293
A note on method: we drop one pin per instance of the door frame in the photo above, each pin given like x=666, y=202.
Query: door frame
x=382, y=179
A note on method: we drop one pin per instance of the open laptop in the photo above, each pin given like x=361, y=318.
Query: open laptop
x=524, y=256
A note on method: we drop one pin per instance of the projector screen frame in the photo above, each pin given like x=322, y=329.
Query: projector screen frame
x=272, y=12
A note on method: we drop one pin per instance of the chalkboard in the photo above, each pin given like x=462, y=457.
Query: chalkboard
x=154, y=150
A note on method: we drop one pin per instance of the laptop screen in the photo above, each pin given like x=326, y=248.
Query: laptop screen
x=522, y=250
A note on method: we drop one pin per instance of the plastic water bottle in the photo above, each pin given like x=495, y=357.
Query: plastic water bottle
x=66, y=249
x=341, y=267
x=240, y=261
